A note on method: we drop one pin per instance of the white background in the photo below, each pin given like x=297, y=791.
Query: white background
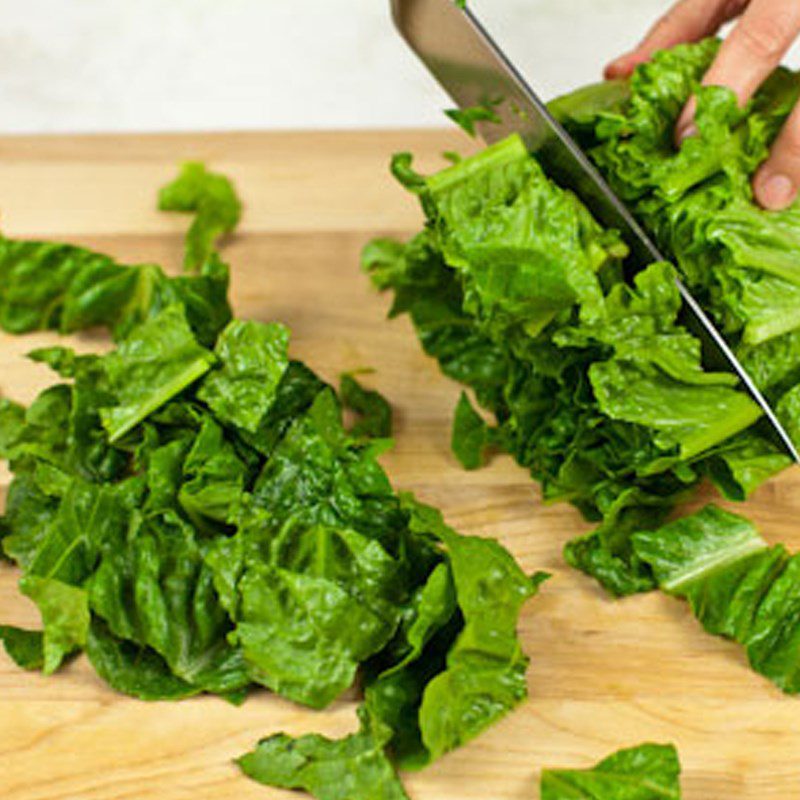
x=93, y=65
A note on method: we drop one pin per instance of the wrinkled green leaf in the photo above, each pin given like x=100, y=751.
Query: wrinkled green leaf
x=352, y=768
x=375, y=413
x=155, y=363
x=252, y=359
x=212, y=199
x=24, y=648
x=737, y=586
x=646, y=772
x=65, y=617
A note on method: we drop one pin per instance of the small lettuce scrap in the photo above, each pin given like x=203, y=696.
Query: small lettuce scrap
x=353, y=768
x=212, y=200
x=645, y=772
x=736, y=584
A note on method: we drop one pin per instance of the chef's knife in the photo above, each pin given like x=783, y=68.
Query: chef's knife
x=474, y=71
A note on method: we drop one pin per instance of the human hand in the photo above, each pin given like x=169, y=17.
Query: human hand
x=764, y=32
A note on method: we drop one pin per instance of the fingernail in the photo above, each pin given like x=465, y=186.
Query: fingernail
x=776, y=192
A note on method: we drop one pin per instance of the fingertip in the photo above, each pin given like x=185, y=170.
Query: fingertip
x=619, y=68
x=774, y=191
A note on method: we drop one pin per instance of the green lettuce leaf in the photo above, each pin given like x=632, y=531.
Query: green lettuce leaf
x=46, y=286
x=252, y=358
x=646, y=772
x=736, y=584
x=132, y=669
x=24, y=648
x=212, y=199
x=373, y=409
x=65, y=618
x=353, y=768
x=311, y=603
x=155, y=363
x=156, y=590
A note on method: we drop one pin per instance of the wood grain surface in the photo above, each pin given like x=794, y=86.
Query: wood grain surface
x=604, y=673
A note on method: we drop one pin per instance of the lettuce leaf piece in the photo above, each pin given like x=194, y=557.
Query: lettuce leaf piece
x=470, y=436
x=47, y=286
x=24, y=648
x=155, y=589
x=213, y=478
x=310, y=603
x=485, y=674
x=460, y=667
x=736, y=584
x=57, y=524
x=38, y=283
x=86, y=450
x=318, y=473
x=645, y=772
x=155, y=363
x=252, y=358
x=132, y=669
x=353, y=768
x=466, y=118
x=50, y=286
x=373, y=409
x=689, y=419
x=512, y=233
x=65, y=617
x=212, y=199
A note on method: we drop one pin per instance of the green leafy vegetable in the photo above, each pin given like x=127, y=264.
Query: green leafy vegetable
x=25, y=648
x=375, y=413
x=353, y=768
x=737, y=586
x=466, y=118
x=594, y=384
x=45, y=286
x=253, y=359
x=471, y=435
x=212, y=200
x=65, y=617
x=191, y=511
x=155, y=363
x=646, y=772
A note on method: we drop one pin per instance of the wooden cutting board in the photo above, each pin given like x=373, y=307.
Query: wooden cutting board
x=604, y=674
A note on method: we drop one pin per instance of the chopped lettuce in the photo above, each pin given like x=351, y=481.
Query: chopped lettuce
x=736, y=584
x=191, y=511
x=646, y=772
x=594, y=384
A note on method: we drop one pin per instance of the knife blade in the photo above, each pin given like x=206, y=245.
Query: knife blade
x=469, y=65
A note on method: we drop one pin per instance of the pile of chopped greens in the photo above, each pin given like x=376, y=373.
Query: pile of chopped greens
x=593, y=383
x=190, y=511
x=646, y=772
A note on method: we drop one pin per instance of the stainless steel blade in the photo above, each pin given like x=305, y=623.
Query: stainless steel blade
x=473, y=70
